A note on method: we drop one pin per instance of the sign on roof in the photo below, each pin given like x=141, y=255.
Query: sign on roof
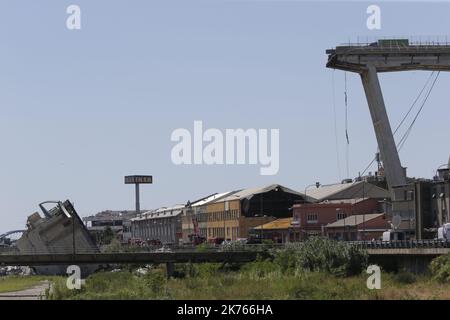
x=138, y=179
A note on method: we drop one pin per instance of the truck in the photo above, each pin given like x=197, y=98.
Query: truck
x=394, y=235
x=444, y=232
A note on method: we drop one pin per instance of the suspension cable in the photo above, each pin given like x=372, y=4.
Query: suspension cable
x=407, y=133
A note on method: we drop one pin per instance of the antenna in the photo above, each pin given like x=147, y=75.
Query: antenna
x=396, y=220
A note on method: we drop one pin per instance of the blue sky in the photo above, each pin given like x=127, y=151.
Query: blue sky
x=81, y=109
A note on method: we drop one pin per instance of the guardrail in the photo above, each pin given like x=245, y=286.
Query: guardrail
x=402, y=244
x=407, y=244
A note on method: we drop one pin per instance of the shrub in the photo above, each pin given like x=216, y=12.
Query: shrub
x=440, y=268
x=405, y=277
x=206, y=270
x=261, y=269
x=322, y=254
x=156, y=282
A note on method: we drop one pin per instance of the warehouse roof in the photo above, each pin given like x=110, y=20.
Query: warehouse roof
x=211, y=198
x=248, y=193
x=351, y=190
x=163, y=212
x=354, y=220
x=279, y=224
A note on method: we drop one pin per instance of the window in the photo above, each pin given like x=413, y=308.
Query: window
x=341, y=215
x=312, y=218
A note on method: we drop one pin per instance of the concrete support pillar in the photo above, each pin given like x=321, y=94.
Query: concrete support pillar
x=170, y=269
x=395, y=174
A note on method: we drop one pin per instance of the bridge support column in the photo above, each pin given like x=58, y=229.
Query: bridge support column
x=388, y=150
x=170, y=269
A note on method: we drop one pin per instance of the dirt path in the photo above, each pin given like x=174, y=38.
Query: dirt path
x=35, y=293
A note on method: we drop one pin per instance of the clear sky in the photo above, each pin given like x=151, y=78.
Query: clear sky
x=81, y=109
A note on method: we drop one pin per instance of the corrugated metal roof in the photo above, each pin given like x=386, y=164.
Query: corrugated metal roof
x=248, y=193
x=351, y=190
x=278, y=224
x=211, y=198
x=354, y=220
x=163, y=212
x=351, y=201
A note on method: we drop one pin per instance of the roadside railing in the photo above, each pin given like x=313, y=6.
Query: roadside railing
x=229, y=247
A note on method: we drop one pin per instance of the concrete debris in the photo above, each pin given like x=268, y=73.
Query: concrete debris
x=16, y=271
x=60, y=231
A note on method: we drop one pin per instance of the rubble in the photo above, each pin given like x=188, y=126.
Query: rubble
x=60, y=231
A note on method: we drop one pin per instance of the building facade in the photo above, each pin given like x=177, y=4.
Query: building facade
x=310, y=219
x=358, y=227
x=119, y=221
x=423, y=205
x=163, y=224
x=231, y=217
x=277, y=231
x=195, y=216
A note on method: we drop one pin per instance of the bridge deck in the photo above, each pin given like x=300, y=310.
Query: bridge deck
x=139, y=258
x=409, y=251
x=388, y=59
x=180, y=257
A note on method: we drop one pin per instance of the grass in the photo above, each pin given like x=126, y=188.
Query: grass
x=259, y=280
x=19, y=283
x=211, y=281
x=317, y=269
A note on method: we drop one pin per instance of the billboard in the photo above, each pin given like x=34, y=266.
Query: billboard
x=138, y=179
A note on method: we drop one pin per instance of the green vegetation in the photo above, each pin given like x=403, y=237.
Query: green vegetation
x=323, y=255
x=258, y=280
x=107, y=236
x=315, y=269
x=440, y=268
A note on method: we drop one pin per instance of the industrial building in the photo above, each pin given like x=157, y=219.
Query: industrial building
x=195, y=216
x=231, y=217
x=278, y=231
x=358, y=227
x=118, y=221
x=423, y=205
x=361, y=188
x=310, y=219
x=227, y=215
x=163, y=224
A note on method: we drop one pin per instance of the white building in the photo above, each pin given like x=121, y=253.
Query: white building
x=163, y=224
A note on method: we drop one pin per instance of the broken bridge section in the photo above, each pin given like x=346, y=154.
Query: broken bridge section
x=60, y=231
x=387, y=56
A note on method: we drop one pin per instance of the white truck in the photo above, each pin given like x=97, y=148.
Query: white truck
x=444, y=232
x=394, y=235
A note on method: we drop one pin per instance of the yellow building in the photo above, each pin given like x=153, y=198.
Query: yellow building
x=231, y=217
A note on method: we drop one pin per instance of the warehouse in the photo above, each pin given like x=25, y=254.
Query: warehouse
x=232, y=217
x=196, y=213
x=163, y=224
